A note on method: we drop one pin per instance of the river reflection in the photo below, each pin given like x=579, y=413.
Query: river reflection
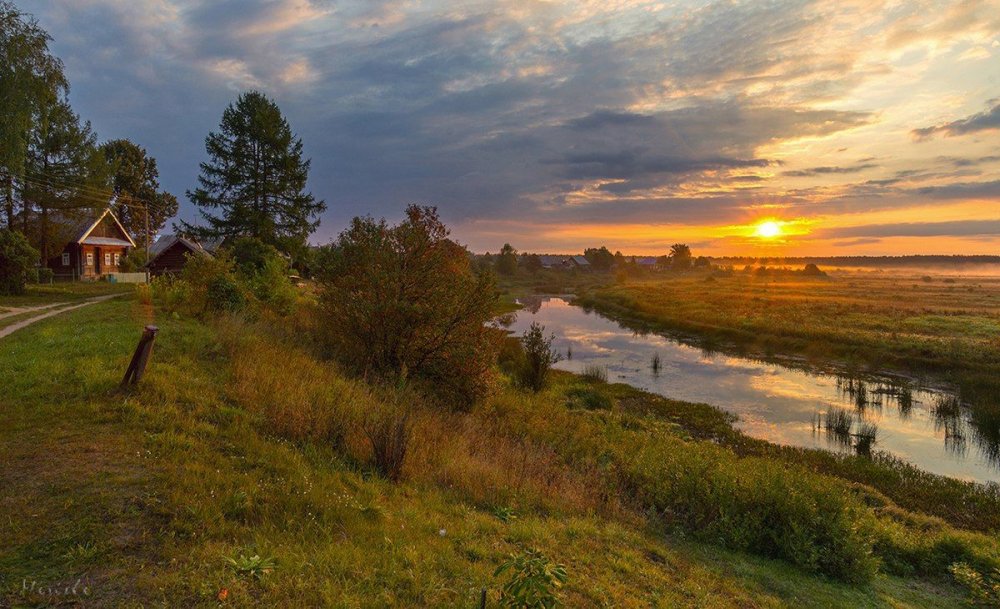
x=926, y=427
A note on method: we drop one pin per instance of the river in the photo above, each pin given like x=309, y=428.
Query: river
x=788, y=405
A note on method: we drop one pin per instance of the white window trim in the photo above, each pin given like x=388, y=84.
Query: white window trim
x=118, y=257
x=107, y=258
x=90, y=259
x=65, y=259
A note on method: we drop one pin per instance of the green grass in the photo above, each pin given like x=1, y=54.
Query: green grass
x=148, y=495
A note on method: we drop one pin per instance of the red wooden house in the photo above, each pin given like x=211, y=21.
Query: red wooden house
x=96, y=250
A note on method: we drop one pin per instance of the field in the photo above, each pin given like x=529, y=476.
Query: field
x=948, y=328
x=165, y=495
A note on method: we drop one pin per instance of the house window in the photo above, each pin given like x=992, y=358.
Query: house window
x=90, y=259
x=107, y=259
x=65, y=258
x=117, y=258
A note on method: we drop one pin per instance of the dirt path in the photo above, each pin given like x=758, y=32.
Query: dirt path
x=12, y=311
x=27, y=322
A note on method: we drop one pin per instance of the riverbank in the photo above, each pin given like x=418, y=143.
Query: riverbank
x=221, y=481
x=948, y=327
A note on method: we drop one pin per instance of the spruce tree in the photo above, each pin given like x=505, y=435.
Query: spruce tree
x=253, y=184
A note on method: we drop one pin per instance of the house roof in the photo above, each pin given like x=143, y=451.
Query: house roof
x=107, y=241
x=88, y=226
x=581, y=260
x=166, y=241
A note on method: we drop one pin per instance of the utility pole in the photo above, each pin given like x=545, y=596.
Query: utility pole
x=145, y=208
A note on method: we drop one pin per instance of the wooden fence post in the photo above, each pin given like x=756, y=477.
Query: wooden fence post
x=482, y=599
x=140, y=358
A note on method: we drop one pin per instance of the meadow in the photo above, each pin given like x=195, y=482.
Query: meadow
x=949, y=326
x=242, y=472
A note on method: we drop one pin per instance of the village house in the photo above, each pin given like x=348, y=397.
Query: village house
x=96, y=250
x=170, y=253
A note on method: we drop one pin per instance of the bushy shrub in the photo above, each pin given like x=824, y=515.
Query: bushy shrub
x=171, y=293
x=404, y=301
x=17, y=258
x=539, y=356
x=212, y=284
x=756, y=505
x=984, y=590
x=223, y=294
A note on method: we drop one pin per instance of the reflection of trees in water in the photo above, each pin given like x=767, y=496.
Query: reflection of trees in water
x=957, y=421
x=872, y=395
x=531, y=303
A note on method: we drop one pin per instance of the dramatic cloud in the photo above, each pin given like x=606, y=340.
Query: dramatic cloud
x=983, y=121
x=565, y=123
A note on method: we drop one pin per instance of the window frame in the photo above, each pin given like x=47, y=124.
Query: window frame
x=90, y=258
x=65, y=259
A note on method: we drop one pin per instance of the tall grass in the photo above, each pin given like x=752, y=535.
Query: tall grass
x=595, y=373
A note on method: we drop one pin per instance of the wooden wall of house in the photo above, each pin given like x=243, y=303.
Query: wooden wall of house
x=171, y=260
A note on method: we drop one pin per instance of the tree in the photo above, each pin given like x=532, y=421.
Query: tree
x=255, y=179
x=17, y=257
x=136, y=184
x=600, y=259
x=404, y=301
x=532, y=262
x=507, y=260
x=30, y=78
x=64, y=171
x=680, y=256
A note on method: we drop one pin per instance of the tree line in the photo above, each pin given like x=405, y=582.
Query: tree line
x=508, y=261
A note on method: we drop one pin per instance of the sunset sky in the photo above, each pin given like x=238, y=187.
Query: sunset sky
x=864, y=127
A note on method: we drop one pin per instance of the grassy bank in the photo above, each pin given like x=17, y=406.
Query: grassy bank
x=861, y=320
x=946, y=328
x=239, y=443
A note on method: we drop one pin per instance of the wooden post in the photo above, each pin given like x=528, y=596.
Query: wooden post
x=482, y=599
x=140, y=358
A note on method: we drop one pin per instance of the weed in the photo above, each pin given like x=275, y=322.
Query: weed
x=253, y=567
x=533, y=581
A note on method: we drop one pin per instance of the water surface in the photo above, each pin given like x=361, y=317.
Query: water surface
x=787, y=405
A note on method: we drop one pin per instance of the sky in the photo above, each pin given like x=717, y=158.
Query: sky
x=857, y=127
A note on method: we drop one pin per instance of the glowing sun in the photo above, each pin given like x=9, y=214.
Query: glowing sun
x=768, y=230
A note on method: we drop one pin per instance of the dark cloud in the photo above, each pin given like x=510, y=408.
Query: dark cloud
x=957, y=228
x=827, y=170
x=493, y=111
x=983, y=121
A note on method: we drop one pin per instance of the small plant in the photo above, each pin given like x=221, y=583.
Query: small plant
x=144, y=293
x=595, y=373
x=505, y=513
x=533, y=581
x=589, y=398
x=252, y=567
x=984, y=590
x=865, y=438
x=655, y=363
x=839, y=423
